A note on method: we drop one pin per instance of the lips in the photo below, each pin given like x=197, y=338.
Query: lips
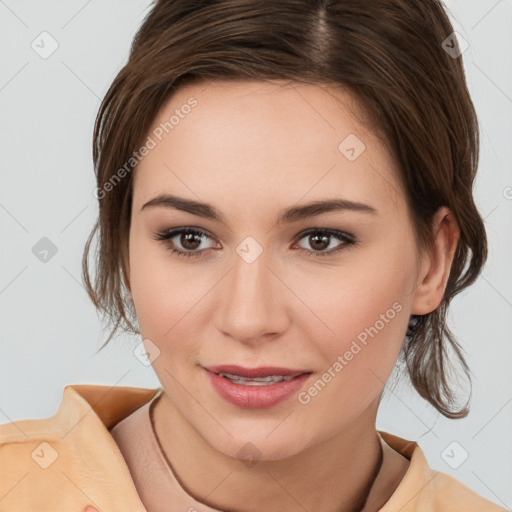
x=261, y=392
x=256, y=388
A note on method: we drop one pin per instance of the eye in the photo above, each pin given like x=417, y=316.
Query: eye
x=184, y=242
x=321, y=238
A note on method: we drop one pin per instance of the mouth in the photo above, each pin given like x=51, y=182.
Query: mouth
x=256, y=388
x=261, y=376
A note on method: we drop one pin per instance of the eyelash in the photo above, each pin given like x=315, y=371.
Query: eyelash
x=348, y=240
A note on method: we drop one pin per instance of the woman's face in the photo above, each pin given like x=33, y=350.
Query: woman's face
x=263, y=287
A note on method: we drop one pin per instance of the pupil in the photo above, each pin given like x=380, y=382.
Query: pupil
x=187, y=239
x=323, y=244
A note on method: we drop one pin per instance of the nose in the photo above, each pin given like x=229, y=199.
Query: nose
x=252, y=301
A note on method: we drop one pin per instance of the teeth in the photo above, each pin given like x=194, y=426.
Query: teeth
x=256, y=381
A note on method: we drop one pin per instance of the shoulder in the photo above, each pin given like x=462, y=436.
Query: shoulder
x=70, y=460
x=35, y=461
x=450, y=494
x=425, y=489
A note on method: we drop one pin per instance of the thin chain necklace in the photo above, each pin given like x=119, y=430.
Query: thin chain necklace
x=360, y=504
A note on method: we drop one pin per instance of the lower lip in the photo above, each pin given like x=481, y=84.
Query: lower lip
x=256, y=397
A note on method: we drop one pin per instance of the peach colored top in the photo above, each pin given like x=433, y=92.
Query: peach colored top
x=99, y=453
x=154, y=479
x=158, y=486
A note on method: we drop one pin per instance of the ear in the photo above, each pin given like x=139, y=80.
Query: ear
x=435, y=265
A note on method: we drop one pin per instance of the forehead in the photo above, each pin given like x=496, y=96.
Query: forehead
x=251, y=138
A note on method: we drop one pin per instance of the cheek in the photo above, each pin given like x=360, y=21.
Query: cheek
x=364, y=309
x=160, y=292
x=170, y=298
x=356, y=295
x=356, y=363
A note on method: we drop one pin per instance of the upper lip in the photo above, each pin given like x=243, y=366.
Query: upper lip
x=262, y=371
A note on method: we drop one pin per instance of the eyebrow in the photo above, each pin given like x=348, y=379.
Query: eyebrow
x=289, y=215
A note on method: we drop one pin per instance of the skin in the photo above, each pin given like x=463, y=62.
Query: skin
x=252, y=149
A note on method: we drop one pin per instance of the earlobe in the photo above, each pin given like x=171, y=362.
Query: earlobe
x=435, y=266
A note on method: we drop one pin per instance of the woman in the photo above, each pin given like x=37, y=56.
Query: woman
x=285, y=193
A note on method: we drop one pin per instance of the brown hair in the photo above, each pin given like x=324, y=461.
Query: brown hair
x=388, y=53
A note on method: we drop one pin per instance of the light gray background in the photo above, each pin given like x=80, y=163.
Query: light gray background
x=49, y=330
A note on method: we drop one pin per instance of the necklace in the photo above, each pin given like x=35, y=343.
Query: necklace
x=359, y=504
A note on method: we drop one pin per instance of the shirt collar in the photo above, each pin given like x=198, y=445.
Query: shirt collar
x=111, y=404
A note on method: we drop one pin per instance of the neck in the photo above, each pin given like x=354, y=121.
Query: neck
x=339, y=473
